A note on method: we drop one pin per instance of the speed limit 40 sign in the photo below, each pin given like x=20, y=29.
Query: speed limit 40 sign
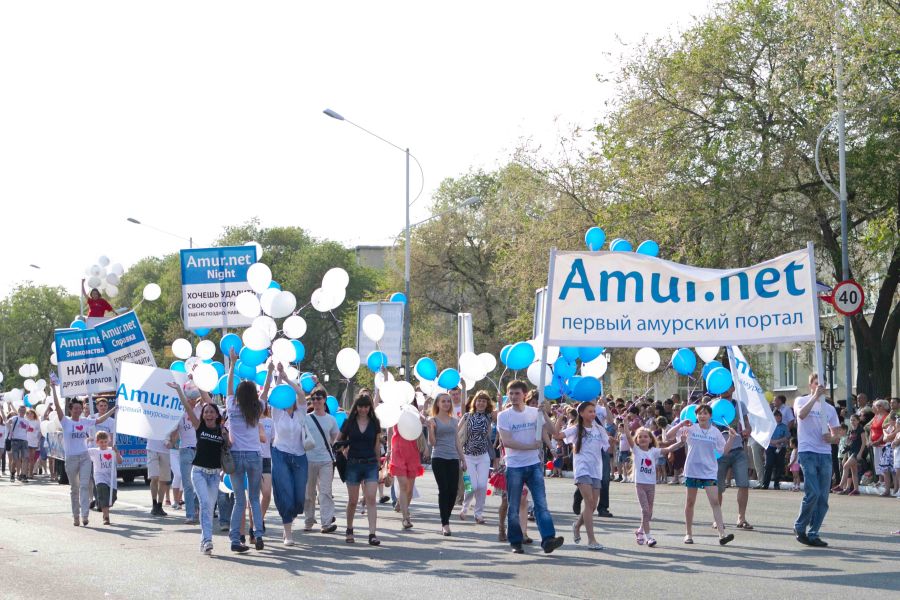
x=847, y=297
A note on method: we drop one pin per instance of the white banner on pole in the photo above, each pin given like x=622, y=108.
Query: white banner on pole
x=148, y=407
x=211, y=279
x=465, y=340
x=392, y=341
x=749, y=392
x=624, y=299
x=82, y=364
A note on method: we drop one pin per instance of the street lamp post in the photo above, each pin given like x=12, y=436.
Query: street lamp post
x=189, y=240
x=408, y=229
x=832, y=342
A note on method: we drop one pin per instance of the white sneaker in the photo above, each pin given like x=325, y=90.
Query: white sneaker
x=576, y=537
x=595, y=546
x=208, y=548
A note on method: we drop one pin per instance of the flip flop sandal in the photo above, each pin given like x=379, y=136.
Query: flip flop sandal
x=349, y=536
x=688, y=539
x=745, y=525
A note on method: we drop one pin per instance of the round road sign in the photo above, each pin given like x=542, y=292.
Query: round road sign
x=847, y=297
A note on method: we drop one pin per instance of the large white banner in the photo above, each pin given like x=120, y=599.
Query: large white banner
x=148, y=407
x=392, y=341
x=749, y=392
x=211, y=279
x=615, y=299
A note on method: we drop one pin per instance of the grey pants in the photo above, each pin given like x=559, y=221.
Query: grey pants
x=78, y=470
x=758, y=464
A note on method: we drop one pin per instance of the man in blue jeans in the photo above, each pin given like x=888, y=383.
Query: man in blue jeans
x=817, y=429
x=523, y=436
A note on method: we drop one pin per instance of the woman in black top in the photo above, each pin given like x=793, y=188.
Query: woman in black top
x=205, y=473
x=853, y=453
x=362, y=431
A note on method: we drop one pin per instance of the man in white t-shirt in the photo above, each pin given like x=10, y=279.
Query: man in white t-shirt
x=523, y=435
x=817, y=430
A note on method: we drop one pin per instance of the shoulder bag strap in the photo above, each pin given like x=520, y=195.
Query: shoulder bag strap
x=324, y=439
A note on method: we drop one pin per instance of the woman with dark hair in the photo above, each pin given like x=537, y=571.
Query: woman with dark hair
x=244, y=410
x=362, y=433
x=207, y=462
x=447, y=457
x=97, y=304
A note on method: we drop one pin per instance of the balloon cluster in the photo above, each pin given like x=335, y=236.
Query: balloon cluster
x=472, y=369
x=267, y=297
x=332, y=292
x=595, y=237
x=397, y=409
x=562, y=376
x=104, y=276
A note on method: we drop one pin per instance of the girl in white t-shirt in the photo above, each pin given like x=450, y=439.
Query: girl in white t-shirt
x=646, y=451
x=705, y=444
x=589, y=441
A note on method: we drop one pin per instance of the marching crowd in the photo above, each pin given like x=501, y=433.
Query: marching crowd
x=231, y=459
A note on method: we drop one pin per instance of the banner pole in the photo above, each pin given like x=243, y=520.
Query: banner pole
x=547, y=305
x=815, y=301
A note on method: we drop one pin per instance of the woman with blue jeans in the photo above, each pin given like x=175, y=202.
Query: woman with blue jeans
x=361, y=435
x=244, y=410
x=207, y=461
x=289, y=462
x=187, y=450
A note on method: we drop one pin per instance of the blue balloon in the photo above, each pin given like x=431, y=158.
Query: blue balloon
x=723, y=412
x=564, y=369
x=649, y=248
x=449, y=379
x=282, y=396
x=594, y=238
x=713, y=364
x=589, y=354
x=26, y=401
x=332, y=404
x=219, y=367
x=520, y=356
x=398, y=297
x=689, y=413
x=244, y=370
x=260, y=378
x=719, y=380
x=504, y=352
x=552, y=391
x=222, y=388
x=620, y=245
x=684, y=361
x=253, y=357
x=569, y=352
x=570, y=385
x=299, y=349
x=229, y=342
x=307, y=382
x=78, y=324
x=587, y=389
x=178, y=367
x=275, y=284
x=201, y=331
x=376, y=361
x=340, y=417
x=426, y=369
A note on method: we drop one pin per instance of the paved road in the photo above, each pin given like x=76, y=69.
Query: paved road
x=42, y=554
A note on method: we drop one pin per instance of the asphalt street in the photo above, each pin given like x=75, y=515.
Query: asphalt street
x=139, y=556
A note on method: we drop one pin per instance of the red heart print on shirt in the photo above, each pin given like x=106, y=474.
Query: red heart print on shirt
x=107, y=456
x=31, y=430
x=648, y=462
x=79, y=427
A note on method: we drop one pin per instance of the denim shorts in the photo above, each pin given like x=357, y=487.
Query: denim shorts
x=591, y=481
x=267, y=466
x=698, y=484
x=361, y=473
x=737, y=461
x=624, y=457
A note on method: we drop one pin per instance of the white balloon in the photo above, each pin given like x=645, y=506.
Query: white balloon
x=24, y=370
x=103, y=261
x=409, y=426
x=335, y=297
x=283, y=350
x=267, y=299
x=336, y=278
x=40, y=384
x=470, y=383
x=405, y=391
x=647, y=360
x=373, y=327
x=32, y=370
x=206, y=377
x=283, y=304
x=552, y=354
x=93, y=282
x=53, y=359
x=534, y=373
x=595, y=368
x=707, y=353
x=247, y=305
x=191, y=363
x=388, y=414
x=294, y=327
x=259, y=250
x=36, y=397
x=470, y=366
x=28, y=384
x=320, y=300
x=112, y=291
x=488, y=362
x=118, y=269
x=182, y=348
x=52, y=349
x=152, y=291
x=347, y=361
x=292, y=373
x=1, y=377
x=427, y=386
x=259, y=276
x=45, y=425
x=206, y=349
x=112, y=279
x=256, y=338
x=380, y=378
x=267, y=324
x=389, y=392
x=95, y=270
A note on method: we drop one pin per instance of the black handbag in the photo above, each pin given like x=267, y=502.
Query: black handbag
x=340, y=461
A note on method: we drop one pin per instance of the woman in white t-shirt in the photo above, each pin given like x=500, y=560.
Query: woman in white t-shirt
x=589, y=441
x=705, y=444
x=646, y=450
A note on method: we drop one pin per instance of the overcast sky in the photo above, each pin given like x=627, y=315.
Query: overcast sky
x=191, y=116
